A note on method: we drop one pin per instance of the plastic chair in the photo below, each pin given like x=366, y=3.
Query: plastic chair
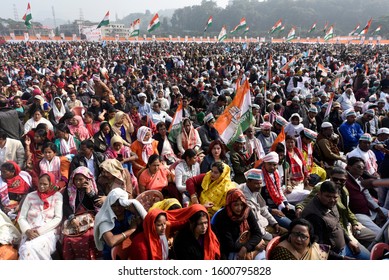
x=379, y=250
x=78, y=110
x=271, y=245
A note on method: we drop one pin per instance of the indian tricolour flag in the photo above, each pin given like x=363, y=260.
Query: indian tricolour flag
x=135, y=27
x=154, y=23
x=241, y=25
x=366, y=28
x=237, y=116
x=313, y=27
x=276, y=26
x=329, y=33
x=378, y=29
x=291, y=34
x=105, y=20
x=322, y=68
x=246, y=30
x=27, y=16
x=209, y=23
x=222, y=34
x=354, y=32
x=289, y=64
x=176, y=125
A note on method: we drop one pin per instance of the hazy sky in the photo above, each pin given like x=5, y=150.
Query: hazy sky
x=93, y=10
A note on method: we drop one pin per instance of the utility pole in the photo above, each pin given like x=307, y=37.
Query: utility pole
x=54, y=21
x=16, y=15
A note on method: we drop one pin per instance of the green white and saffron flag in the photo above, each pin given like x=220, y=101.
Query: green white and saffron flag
x=237, y=116
x=378, y=29
x=27, y=16
x=313, y=27
x=176, y=125
x=135, y=27
x=154, y=23
x=329, y=33
x=105, y=21
x=209, y=23
x=242, y=24
x=291, y=34
x=222, y=34
x=355, y=31
x=282, y=29
x=246, y=30
x=276, y=26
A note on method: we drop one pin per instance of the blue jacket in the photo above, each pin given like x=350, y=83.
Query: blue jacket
x=350, y=134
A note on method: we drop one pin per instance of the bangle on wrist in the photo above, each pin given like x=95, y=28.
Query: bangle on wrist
x=124, y=235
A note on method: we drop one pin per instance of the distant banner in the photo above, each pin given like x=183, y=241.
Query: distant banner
x=90, y=33
x=117, y=37
x=38, y=36
x=62, y=36
x=12, y=35
x=74, y=37
x=51, y=35
x=26, y=36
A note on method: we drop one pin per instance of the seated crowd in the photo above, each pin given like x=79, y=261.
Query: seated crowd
x=92, y=169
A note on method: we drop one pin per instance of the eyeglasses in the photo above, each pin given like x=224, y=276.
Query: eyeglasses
x=303, y=237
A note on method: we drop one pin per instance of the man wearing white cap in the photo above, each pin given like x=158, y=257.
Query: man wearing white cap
x=363, y=151
x=266, y=136
x=347, y=99
x=378, y=145
x=351, y=131
x=252, y=190
x=272, y=191
x=144, y=108
x=327, y=143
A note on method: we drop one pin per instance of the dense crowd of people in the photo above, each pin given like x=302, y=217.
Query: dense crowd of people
x=89, y=171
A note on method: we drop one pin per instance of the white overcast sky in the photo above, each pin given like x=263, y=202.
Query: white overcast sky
x=93, y=10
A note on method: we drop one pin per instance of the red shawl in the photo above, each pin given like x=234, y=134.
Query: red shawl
x=274, y=189
x=180, y=217
x=232, y=196
x=50, y=192
x=298, y=172
x=17, y=184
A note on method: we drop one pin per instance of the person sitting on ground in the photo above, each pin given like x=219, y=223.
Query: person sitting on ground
x=300, y=244
x=234, y=221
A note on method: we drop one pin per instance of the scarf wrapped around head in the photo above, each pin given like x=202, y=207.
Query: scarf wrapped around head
x=189, y=140
x=152, y=238
x=105, y=218
x=80, y=129
x=165, y=204
x=114, y=167
x=17, y=184
x=232, y=196
x=216, y=191
x=72, y=189
x=147, y=149
x=58, y=113
x=50, y=192
x=179, y=218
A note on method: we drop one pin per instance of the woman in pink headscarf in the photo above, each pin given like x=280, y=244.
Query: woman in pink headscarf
x=144, y=146
x=78, y=128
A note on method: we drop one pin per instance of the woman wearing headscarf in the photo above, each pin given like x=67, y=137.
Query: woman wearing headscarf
x=122, y=153
x=40, y=219
x=189, y=137
x=112, y=176
x=211, y=188
x=79, y=198
x=195, y=239
x=122, y=126
x=14, y=185
x=237, y=229
x=102, y=138
x=144, y=147
x=78, y=128
x=57, y=111
x=118, y=219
